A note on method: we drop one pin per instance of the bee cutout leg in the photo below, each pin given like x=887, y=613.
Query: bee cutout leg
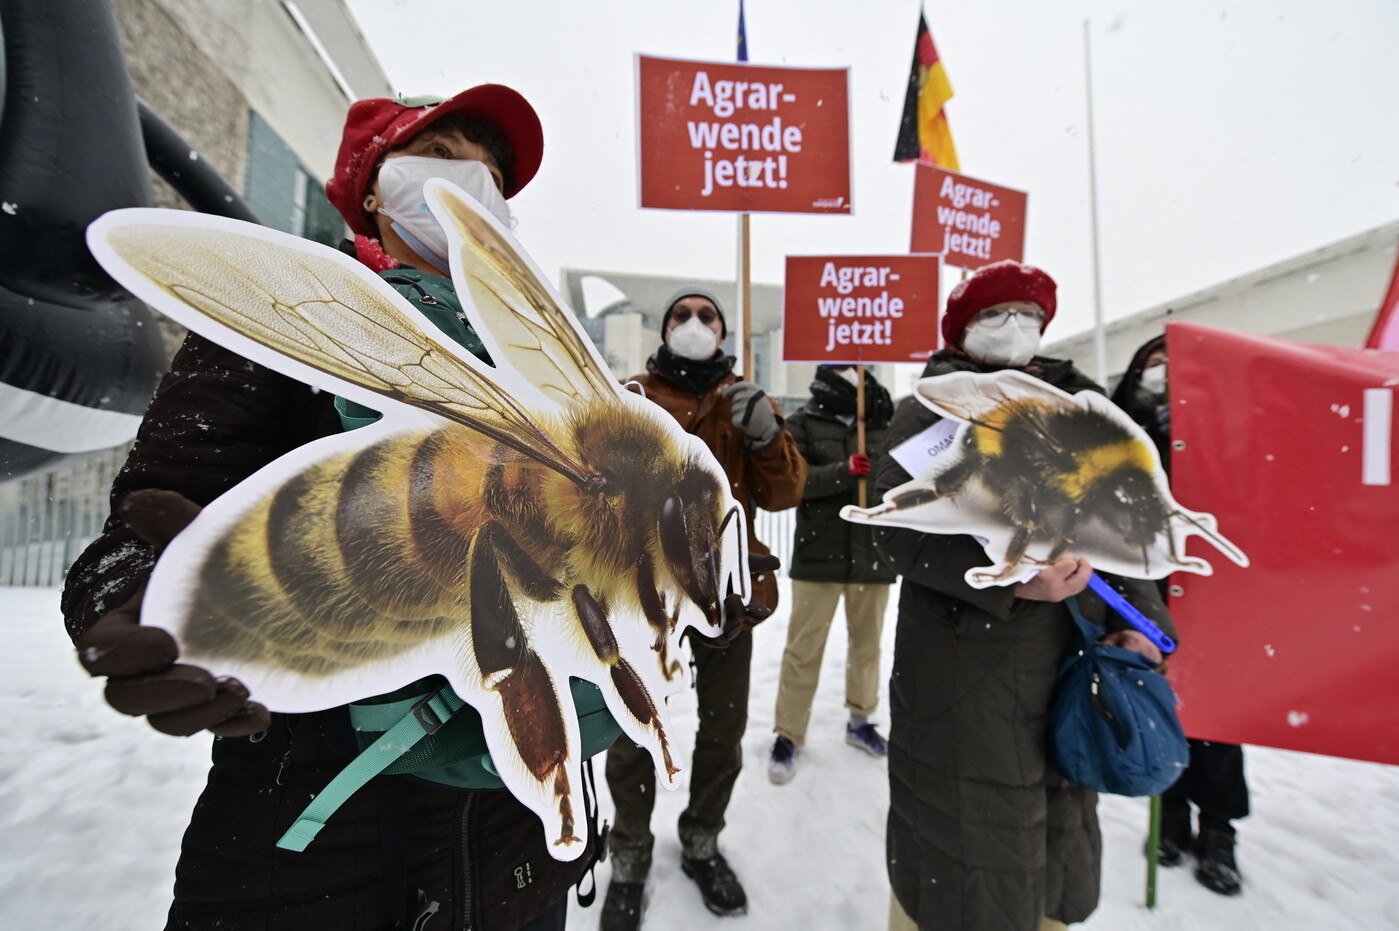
x=662, y=622
x=593, y=616
x=529, y=697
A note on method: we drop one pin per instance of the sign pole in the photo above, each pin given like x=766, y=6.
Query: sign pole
x=860, y=427
x=1153, y=849
x=745, y=292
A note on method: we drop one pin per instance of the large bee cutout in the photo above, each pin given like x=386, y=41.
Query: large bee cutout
x=507, y=527
x=1036, y=473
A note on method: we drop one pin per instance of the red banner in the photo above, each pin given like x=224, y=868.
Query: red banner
x=860, y=309
x=742, y=138
x=1292, y=446
x=971, y=222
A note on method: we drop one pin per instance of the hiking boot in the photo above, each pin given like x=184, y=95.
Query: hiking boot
x=782, y=762
x=718, y=886
x=1214, y=863
x=866, y=738
x=621, y=910
x=1175, y=838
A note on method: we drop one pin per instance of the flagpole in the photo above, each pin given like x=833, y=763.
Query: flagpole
x=1100, y=340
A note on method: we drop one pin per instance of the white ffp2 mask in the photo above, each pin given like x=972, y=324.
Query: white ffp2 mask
x=401, y=183
x=1011, y=346
x=693, y=340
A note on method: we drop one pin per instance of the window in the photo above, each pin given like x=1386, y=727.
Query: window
x=282, y=193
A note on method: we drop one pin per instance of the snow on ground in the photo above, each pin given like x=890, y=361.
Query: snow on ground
x=92, y=807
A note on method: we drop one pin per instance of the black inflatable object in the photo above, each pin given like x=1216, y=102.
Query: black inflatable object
x=79, y=356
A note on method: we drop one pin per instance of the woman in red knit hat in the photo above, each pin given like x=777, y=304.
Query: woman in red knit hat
x=983, y=831
x=402, y=853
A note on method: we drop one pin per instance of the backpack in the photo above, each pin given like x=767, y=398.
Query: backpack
x=1112, y=720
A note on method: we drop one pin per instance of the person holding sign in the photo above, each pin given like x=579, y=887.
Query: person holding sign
x=402, y=853
x=833, y=559
x=692, y=378
x=983, y=830
x=1215, y=779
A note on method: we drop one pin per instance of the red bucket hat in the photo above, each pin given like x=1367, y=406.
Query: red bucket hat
x=379, y=124
x=995, y=284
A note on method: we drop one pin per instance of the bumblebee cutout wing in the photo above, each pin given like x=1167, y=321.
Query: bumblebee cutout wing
x=522, y=322
x=321, y=314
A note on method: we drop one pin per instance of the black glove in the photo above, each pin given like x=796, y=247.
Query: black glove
x=739, y=617
x=752, y=413
x=143, y=678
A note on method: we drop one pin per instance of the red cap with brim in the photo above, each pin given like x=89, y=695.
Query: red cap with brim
x=379, y=124
x=994, y=284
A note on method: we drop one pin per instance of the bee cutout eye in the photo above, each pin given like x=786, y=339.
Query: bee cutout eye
x=1036, y=473
x=493, y=527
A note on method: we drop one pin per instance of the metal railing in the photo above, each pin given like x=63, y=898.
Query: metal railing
x=47, y=520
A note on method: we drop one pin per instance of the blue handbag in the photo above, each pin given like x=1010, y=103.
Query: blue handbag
x=1113, y=723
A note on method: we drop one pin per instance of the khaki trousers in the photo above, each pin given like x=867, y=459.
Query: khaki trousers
x=813, y=608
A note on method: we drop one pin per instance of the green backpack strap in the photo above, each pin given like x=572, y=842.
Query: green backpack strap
x=423, y=717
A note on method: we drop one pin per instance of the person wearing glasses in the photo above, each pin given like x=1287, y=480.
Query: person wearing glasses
x=983, y=831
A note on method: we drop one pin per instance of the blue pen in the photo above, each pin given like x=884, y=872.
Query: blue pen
x=1132, y=616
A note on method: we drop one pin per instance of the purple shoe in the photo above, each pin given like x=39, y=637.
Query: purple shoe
x=866, y=738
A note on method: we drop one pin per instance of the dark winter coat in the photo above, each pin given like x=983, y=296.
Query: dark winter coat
x=770, y=478
x=828, y=548
x=983, y=832
x=215, y=420
x=1153, y=414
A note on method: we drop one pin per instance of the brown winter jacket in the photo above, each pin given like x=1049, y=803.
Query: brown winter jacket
x=983, y=831
x=770, y=478
x=479, y=855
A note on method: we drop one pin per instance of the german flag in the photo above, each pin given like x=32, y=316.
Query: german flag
x=923, y=131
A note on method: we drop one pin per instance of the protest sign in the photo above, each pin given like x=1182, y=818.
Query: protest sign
x=970, y=222
x=742, y=138
x=1292, y=446
x=860, y=309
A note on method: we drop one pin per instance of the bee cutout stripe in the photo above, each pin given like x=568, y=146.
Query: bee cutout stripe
x=1037, y=473
x=506, y=527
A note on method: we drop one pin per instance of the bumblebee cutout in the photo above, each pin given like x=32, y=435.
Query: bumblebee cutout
x=505, y=527
x=1035, y=473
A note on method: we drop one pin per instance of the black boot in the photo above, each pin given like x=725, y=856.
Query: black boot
x=621, y=910
x=1214, y=862
x=1175, y=837
x=722, y=892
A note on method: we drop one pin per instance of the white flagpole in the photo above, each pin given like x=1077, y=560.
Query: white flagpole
x=1100, y=340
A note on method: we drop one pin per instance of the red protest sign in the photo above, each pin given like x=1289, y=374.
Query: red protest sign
x=744, y=138
x=971, y=222
x=1292, y=447
x=860, y=309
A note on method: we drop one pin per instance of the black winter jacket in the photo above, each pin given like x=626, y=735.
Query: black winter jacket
x=983, y=831
x=827, y=547
x=481, y=856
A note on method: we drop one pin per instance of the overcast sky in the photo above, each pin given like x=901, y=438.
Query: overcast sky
x=1231, y=134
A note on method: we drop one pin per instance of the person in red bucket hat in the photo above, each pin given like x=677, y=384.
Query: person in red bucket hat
x=403, y=853
x=983, y=830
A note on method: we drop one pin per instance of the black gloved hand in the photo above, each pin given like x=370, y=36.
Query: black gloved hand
x=739, y=617
x=752, y=413
x=143, y=678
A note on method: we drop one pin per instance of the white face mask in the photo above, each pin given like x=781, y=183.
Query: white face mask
x=1011, y=346
x=693, y=340
x=1154, y=378
x=401, y=183
x=850, y=375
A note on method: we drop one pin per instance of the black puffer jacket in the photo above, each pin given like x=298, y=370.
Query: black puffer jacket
x=983, y=831
x=828, y=548
x=480, y=856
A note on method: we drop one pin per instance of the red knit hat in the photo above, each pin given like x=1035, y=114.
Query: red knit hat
x=995, y=284
x=379, y=124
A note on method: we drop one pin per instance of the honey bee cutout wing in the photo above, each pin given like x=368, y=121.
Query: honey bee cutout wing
x=506, y=527
x=1034, y=472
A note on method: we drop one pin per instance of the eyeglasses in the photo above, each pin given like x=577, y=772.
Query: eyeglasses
x=999, y=316
x=707, y=315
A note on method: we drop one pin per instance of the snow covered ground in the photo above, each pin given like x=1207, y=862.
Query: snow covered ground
x=92, y=806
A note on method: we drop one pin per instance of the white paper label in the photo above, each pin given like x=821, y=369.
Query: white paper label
x=917, y=453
